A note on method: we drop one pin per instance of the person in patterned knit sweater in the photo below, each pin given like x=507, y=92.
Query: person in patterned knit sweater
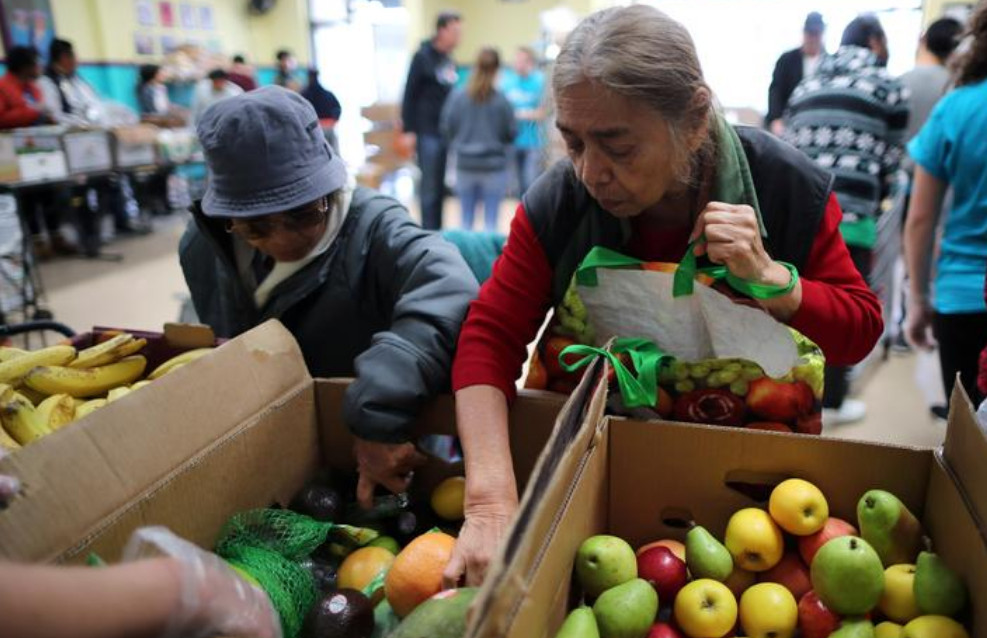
x=851, y=118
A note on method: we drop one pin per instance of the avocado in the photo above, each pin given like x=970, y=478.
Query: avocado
x=324, y=572
x=320, y=502
x=343, y=614
x=441, y=616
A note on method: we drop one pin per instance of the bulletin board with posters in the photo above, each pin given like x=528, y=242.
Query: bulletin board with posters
x=27, y=23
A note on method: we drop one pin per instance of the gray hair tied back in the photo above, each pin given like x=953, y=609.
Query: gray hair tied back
x=641, y=53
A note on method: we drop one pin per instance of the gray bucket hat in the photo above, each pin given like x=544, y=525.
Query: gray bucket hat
x=266, y=154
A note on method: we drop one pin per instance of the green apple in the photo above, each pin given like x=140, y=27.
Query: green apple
x=705, y=608
x=898, y=600
x=934, y=627
x=768, y=610
x=848, y=576
x=627, y=610
x=603, y=562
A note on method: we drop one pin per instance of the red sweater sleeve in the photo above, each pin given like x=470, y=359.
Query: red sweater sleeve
x=14, y=109
x=506, y=315
x=839, y=312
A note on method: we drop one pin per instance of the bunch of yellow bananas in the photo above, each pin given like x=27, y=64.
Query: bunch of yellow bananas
x=44, y=390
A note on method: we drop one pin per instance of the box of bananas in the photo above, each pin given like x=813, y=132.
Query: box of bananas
x=44, y=390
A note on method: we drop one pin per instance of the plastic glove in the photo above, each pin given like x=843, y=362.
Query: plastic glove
x=214, y=600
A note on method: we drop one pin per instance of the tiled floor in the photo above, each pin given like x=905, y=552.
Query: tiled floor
x=145, y=291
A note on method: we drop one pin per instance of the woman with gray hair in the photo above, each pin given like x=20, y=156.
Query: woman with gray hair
x=652, y=170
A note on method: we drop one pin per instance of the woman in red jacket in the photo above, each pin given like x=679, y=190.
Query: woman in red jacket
x=20, y=97
x=652, y=167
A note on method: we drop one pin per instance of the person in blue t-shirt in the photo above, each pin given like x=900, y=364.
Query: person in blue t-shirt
x=524, y=86
x=951, y=152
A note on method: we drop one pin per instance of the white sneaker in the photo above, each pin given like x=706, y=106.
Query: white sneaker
x=851, y=411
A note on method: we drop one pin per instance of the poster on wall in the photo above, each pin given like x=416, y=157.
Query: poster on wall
x=186, y=16
x=27, y=23
x=167, y=14
x=205, y=18
x=145, y=12
x=168, y=44
x=144, y=44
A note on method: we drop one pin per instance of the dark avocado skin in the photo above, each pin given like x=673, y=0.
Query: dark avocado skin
x=320, y=502
x=343, y=614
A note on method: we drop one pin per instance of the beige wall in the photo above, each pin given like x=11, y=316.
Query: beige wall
x=506, y=25
x=103, y=30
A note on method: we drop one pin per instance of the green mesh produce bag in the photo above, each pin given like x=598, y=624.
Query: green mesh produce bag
x=290, y=586
x=269, y=544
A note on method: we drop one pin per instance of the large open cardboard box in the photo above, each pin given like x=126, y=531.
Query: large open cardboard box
x=242, y=428
x=639, y=480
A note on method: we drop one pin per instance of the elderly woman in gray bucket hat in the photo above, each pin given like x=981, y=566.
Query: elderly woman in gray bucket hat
x=364, y=290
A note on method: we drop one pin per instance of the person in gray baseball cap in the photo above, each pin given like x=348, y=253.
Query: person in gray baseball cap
x=365, y=291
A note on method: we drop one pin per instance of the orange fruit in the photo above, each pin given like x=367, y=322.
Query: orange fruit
x=416, y=574
x=362, y=566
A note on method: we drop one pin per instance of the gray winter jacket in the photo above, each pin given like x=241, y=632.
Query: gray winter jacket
x=384, y=304
x=479, y=133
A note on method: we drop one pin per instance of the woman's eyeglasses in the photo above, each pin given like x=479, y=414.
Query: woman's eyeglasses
x=292, y=221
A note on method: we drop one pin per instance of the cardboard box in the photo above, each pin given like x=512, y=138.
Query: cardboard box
x=9, y=169
x=135, y=145
x=242, y=428
x=640, y=480
x=88, y=151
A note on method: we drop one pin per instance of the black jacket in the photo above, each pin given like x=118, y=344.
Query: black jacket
x=787, y=75
x=430, y=78
x=791, y=190
x=384, y=304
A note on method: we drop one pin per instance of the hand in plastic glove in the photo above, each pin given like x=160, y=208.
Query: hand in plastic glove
x=9, y=486
x=213, y=599
x=389, y=464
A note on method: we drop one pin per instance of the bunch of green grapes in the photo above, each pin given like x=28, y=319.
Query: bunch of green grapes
x=810, y=371
x=733, y=374
x=573, y=317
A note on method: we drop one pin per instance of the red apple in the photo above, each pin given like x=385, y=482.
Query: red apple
x=665, y=571
x=791, y=573
x=815, y=620
x=809, y=424
x=779, y=401
x=664, y=630
x=769, y=426
x=677, y=547
x=553, y=348
x=834, y=527
x=713, y=406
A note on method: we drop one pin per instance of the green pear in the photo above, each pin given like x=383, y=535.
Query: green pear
x=580, y=623
x=707, y=557
x=626, y=611
x=854, y=628
x=890, y=527
x=603, y=562
x=848, y=576
x=938, y=589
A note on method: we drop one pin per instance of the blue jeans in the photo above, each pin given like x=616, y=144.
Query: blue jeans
x=432, y=162
x=527, y=167
x=474, y=187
